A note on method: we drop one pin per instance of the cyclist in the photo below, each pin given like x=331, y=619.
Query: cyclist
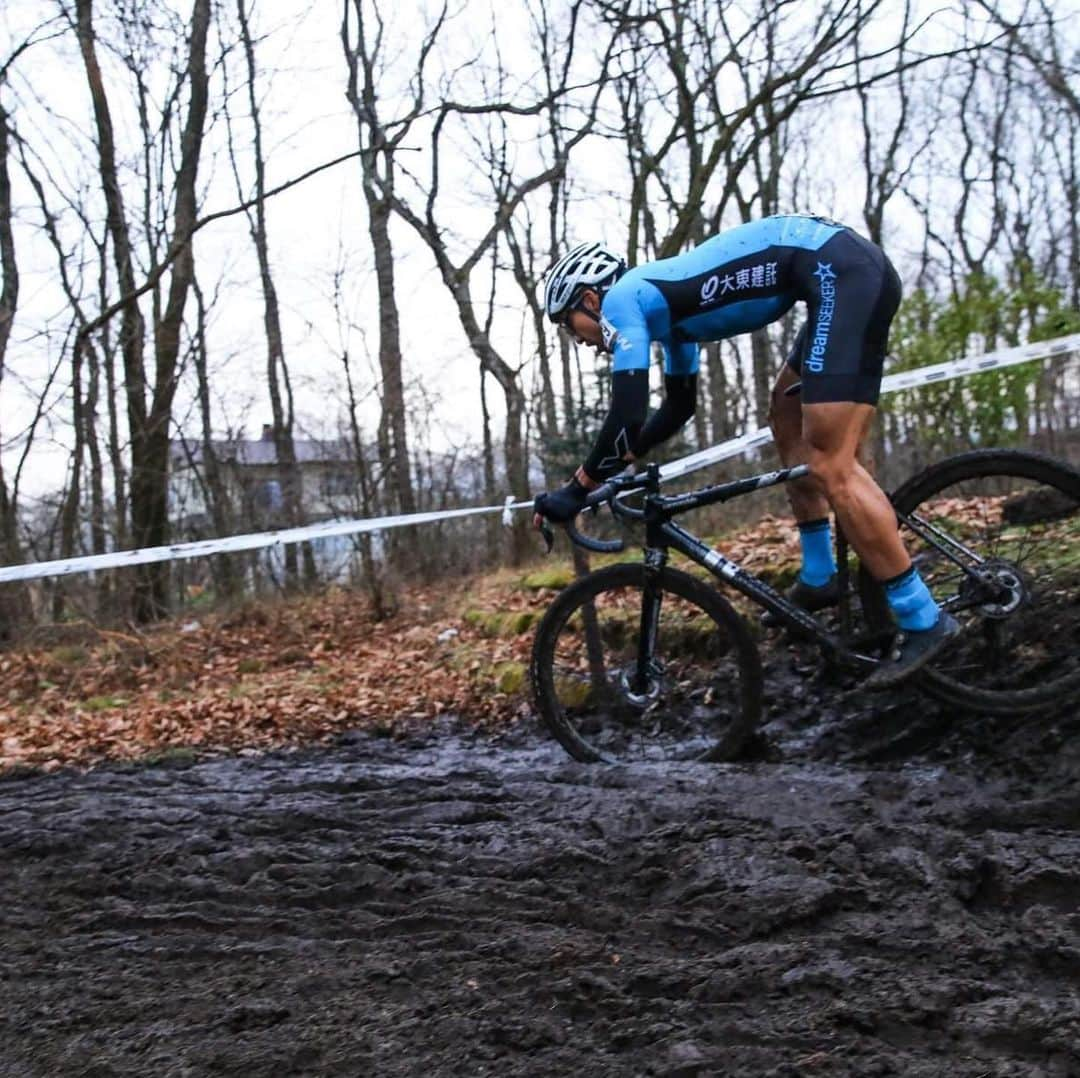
x=738, y=281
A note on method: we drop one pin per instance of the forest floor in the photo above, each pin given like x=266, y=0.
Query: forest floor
x=287, y=840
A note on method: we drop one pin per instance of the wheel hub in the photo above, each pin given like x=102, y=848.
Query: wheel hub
x=640, y=699
x=997, y=590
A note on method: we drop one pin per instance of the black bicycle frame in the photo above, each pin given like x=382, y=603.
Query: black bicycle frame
x=662, y=534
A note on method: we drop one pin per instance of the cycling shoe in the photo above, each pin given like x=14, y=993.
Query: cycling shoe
x=809, y=597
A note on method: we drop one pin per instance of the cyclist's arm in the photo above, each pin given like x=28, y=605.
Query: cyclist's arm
x=680, y=399
x=680, y=396
x=626, y=434
x=622, y=425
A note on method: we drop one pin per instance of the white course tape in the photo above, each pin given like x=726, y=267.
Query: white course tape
x=991, y=361
x=892, y=383
x=940, y=372
x=230, y=545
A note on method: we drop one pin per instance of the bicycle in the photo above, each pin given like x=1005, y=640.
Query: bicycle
x=645, y=661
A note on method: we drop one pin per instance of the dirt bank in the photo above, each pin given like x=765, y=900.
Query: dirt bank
x=887, y=891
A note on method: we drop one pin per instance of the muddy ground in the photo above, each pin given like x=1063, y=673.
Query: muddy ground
x=888, y=889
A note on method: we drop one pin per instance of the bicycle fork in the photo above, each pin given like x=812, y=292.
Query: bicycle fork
x=645, y=683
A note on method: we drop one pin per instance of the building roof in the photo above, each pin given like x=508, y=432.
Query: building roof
x=250, y=452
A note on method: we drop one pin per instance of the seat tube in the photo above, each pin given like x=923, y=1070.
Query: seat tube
x=651, y=596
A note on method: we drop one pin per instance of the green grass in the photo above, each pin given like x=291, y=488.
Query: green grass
x=69, y=655
x=104, y=703
x=170, y=756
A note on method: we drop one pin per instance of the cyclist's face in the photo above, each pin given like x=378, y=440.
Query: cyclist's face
x=581, y=322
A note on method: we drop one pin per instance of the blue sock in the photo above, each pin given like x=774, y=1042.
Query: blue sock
x=911, y=601
x=818, y=563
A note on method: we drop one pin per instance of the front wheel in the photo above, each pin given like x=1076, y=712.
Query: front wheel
x=698, y=697
x=998, y=544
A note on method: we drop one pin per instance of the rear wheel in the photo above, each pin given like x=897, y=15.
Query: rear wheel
x=700, y=698
x=1009, y=523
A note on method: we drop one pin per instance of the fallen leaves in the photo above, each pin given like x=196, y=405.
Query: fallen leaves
x=286, y=673
x=295, y=671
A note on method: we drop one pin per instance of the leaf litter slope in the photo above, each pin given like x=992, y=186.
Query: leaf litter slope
x=290, y=671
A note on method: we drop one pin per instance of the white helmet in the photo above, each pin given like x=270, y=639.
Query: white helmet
x=589, y=265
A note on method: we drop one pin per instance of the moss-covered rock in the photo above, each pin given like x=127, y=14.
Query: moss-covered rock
x=521, y=621
x=509, y=677
x=554, y=577
x=489, y=622
x=69, y=655
x=499, y=622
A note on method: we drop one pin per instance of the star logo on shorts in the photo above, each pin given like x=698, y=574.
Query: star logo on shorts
x=825, y=272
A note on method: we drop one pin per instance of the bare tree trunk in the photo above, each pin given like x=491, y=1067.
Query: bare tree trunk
x=133, y=331
x=761, y=358
x=13, y=600
x=382, y=605
x=490, y=493
x=149, y=425
x=84, y=423
x=9, y=298
x=377, y=166
x=151, y=493
x=720, y=420
x=281, y=409
x=69, y=514
x=228, y=581
x=98, y=531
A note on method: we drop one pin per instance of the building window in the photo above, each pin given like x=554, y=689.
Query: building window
x=266, y=496
x=337, y=484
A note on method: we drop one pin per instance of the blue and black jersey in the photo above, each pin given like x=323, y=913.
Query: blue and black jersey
x=749, y=276
x=736, y=282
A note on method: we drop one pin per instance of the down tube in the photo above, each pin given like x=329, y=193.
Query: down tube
x=750, y=586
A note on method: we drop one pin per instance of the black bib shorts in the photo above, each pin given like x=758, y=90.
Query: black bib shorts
x=851, y=292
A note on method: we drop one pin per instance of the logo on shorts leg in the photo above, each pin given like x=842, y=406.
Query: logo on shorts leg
x=820, y=341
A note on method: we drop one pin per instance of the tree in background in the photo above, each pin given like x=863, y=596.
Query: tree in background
x=381, y=139
x=149, y=419
x=278, y=383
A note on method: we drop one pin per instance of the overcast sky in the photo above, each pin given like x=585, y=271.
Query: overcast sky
x=317, y=227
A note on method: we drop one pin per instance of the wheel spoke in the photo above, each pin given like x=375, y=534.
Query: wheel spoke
x=1018, y=609
x=694, y=695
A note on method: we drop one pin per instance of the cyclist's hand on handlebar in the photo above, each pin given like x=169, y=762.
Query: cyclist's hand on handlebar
x=560, y=505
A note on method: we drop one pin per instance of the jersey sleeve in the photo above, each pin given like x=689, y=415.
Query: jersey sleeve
x=626, y=334
x=682, y=358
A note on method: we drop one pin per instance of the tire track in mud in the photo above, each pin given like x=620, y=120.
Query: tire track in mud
x=462, y=906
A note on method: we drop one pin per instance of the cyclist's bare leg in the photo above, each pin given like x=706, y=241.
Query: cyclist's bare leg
x=831, y=434
x=807, y=500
